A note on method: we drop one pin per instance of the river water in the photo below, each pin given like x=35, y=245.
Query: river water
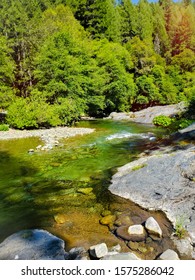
x=36, y=188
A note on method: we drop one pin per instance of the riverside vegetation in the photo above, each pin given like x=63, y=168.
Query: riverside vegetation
x=62, y=59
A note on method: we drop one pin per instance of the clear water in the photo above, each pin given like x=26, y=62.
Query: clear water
x=36, y=187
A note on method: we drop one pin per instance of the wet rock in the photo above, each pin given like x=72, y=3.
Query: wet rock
x=122, y=256
x=108, y=220
x=153, y=227
x=133, y=245
x=85, y=191
x=32, y=245
x=169, y=255
x=122, y=232
x=106, y=213
x=123, y=220
x=98, y=251
x=60, y=218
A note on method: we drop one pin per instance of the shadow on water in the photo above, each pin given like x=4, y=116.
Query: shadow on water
x=17, y=208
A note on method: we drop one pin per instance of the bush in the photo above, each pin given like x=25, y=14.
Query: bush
x=4, y=127
x=163, y=121
x=25, y=113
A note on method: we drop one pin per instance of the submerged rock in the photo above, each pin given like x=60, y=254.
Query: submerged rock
x=108, y=220
x=32, y=245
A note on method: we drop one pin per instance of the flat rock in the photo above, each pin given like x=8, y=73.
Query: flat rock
x=123, y=232
x=153, y=227
x=147, y=115
x=169, y=255
x=166, y=182
x=32, y=245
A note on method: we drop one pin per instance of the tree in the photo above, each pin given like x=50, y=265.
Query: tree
x=7, y=67
x=129, y=20
x=100, y=19
x=145, y=16
x=119, y=88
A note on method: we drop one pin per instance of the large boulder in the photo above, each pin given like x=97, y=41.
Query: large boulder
x=163, y=182
x=147, y=115
x=32, y=245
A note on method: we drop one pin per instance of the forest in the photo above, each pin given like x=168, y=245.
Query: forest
x=63, y=59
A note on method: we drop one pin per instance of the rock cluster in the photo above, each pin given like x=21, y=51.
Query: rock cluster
x=138, y=232
x=41, y=245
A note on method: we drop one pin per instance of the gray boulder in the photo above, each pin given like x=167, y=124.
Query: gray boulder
x=32, y=245
x=147, y=115
x=163, y=182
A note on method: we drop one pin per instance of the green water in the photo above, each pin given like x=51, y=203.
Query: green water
x=35, y=187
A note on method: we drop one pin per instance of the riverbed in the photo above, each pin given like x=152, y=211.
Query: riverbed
x=38, y=189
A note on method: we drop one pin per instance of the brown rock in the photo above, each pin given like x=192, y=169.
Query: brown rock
x=123, y=220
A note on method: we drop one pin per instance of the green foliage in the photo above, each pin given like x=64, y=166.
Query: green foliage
x=4, y=127
x=162, y=120
x=27, y=113
x=180, y=230
x=93, y=57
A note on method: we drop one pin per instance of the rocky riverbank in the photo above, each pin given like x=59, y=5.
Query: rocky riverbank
x=50, y=136
x=147, y=115
x=41, y=245
x=164, y=180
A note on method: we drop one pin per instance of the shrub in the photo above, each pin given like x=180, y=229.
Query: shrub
x=163, y=121
x=4, y=127
x=25, y=113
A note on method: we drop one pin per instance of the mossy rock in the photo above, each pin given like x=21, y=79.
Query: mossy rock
x=123, y=220
x=106, y=213
x=60, y=218
x=108, y=220
x=85, y=191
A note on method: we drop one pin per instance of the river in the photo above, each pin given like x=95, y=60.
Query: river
x=38, y=189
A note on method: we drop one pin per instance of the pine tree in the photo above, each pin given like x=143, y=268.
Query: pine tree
x=99, y=18
x=129, y=20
